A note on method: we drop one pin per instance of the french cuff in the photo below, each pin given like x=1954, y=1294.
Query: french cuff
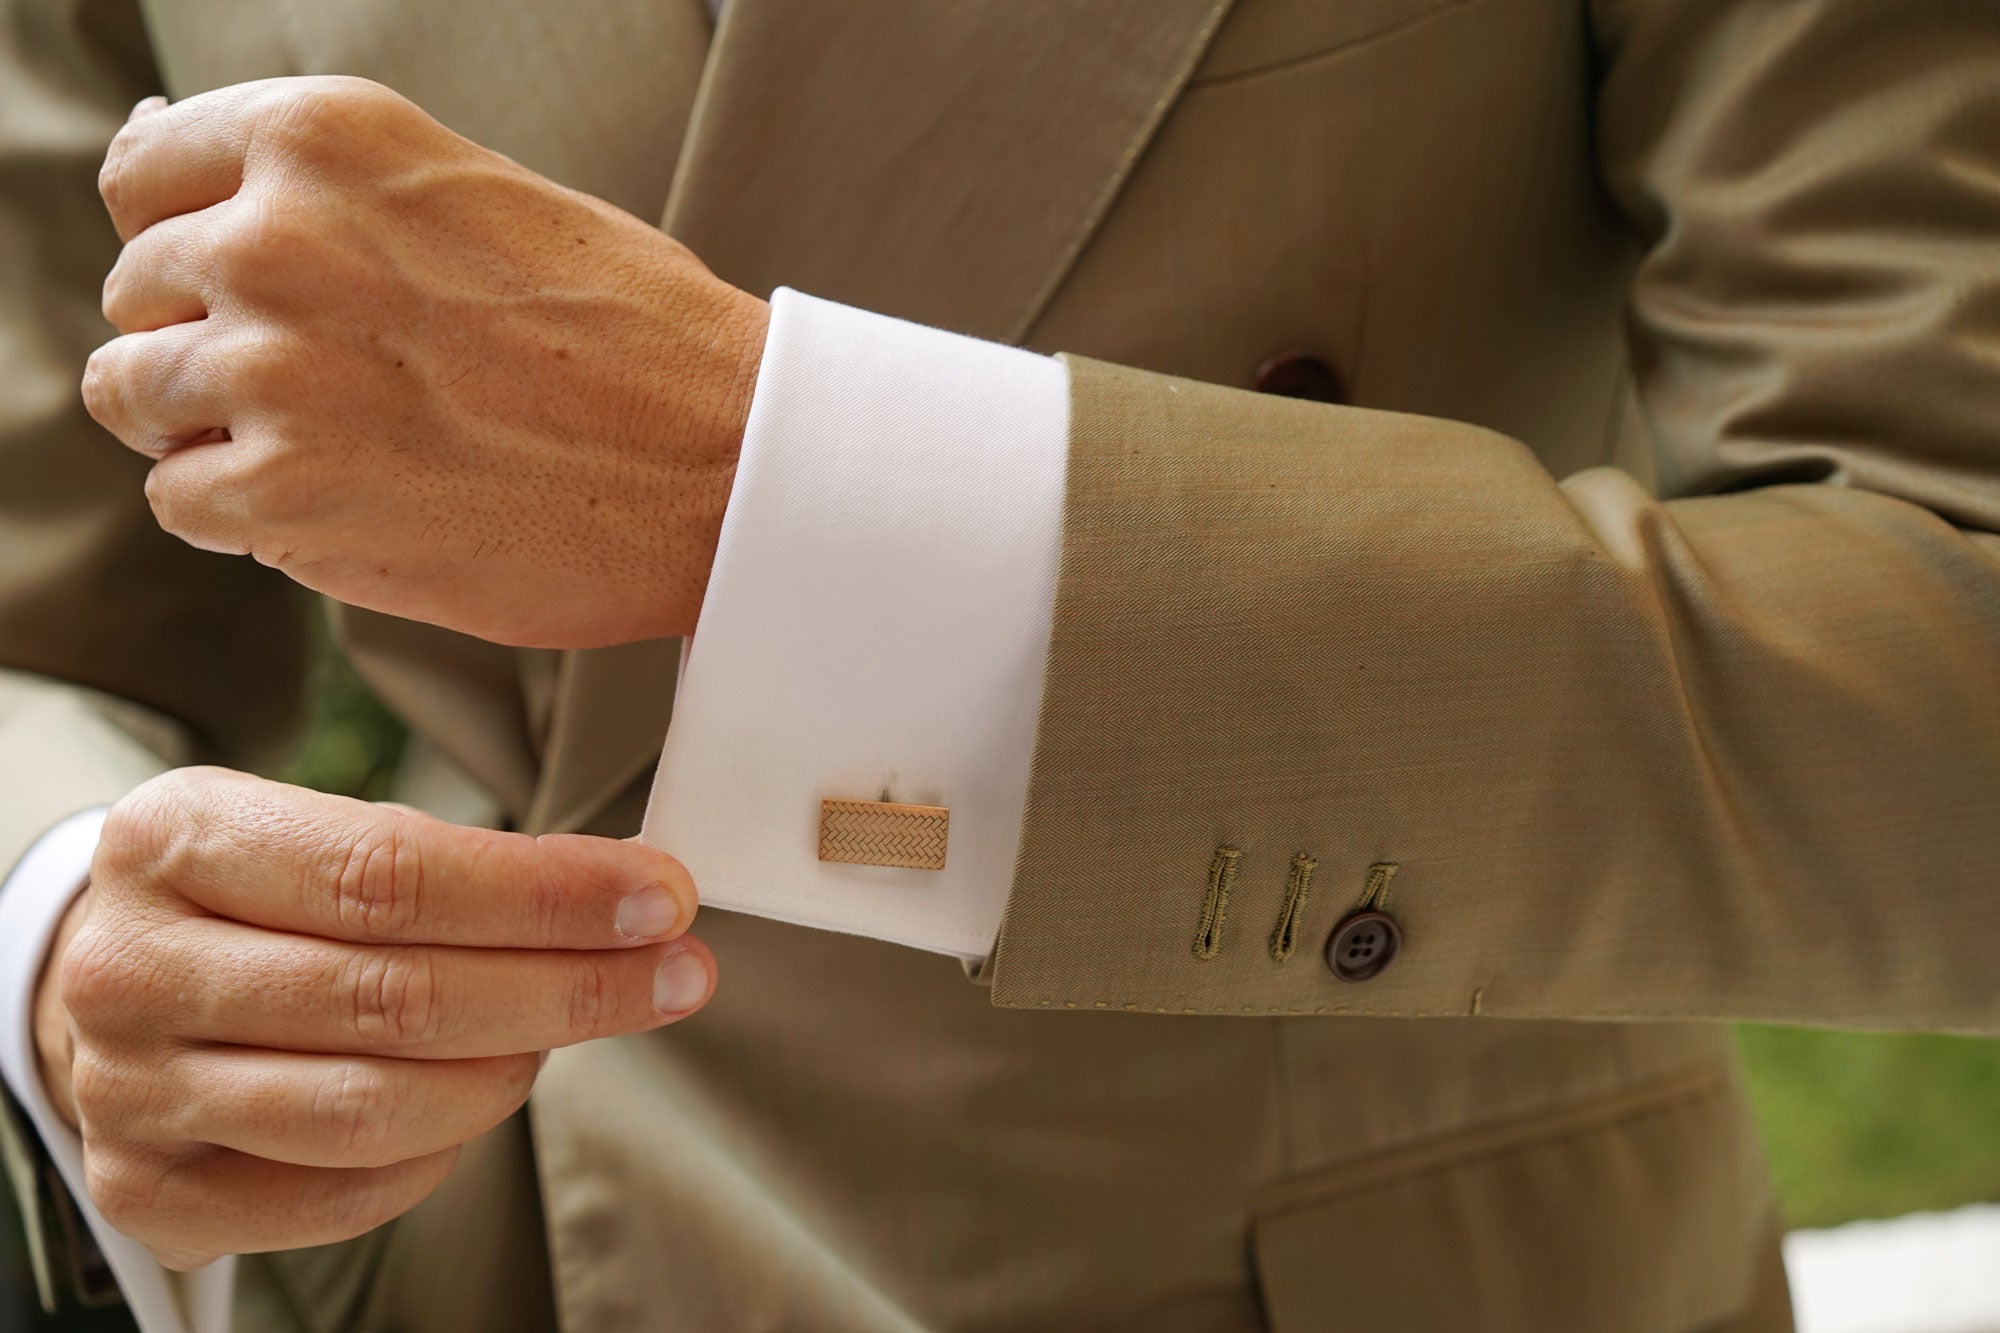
x=851, y=736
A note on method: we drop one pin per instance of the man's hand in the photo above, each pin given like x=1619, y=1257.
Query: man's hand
x=413, y=374
x=283, y=1012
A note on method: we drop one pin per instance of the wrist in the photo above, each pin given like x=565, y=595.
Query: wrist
x=745, y=324
x=736, y=340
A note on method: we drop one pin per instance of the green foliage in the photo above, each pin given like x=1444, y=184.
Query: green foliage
x=1871, y=1125
x=353, y=743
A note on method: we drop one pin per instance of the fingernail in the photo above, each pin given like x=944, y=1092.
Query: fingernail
x=146, y=106
x=680, y=983
x=649, y=912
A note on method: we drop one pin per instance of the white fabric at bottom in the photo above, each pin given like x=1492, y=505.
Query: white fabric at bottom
x=1924, y=1273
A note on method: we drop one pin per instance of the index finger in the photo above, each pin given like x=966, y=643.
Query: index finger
x=286, y=858
x=169, y=160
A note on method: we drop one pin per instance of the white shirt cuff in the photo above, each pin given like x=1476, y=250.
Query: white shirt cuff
x=32, y=902
x=875, y=625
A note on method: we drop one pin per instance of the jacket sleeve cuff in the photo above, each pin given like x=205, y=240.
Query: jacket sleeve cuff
x=875, y=626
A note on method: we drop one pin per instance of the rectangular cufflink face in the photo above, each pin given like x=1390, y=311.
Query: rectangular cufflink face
x=883, y=833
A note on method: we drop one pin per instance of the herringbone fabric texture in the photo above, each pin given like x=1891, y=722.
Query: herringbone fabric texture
x=882, y=833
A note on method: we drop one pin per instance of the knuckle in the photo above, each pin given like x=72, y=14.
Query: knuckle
x=150, y=834
x=125, y=1186
x=357, y=1110
x=98, y=979
x=265, y=239
x=264, y=367
x=392, y=998
x=378, y=888
x=238, y=258
x=177, y=506
x=351, y=94
x=315, y=119
x=191, y=497
x=104, y=385
x=97, y=1085
x=115, y=171
x=271, y=487
x=298, y=116
x=117, y=287
x=547, y=903
x=594, y=1004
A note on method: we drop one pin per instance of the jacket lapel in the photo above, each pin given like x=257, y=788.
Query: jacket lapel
x=943, y=163
x=940, y=162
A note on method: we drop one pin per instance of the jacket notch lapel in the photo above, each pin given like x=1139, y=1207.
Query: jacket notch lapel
x=943, y=163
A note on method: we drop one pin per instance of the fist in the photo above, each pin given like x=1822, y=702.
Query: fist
x=414, y=375
x=283, y=1012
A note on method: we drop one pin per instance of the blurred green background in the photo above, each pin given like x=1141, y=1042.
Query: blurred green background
x=1856, y=1125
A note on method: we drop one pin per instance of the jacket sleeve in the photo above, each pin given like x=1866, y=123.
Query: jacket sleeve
x=1729, y=753
x=122, y=651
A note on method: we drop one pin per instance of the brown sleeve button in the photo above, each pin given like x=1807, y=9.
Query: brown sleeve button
x=1300, y=375
x=1363, y=945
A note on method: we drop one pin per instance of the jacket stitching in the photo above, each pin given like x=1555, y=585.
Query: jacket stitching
x=1472, y=1145
x=1298, y=884
x=1375, y=893
x=1215, y=902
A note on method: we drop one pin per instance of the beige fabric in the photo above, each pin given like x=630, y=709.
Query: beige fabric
x=1732, y=755
x=898, y=1154
x=1727, y=753
x=471, y=1256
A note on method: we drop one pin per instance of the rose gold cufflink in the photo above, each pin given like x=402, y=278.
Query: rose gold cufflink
x=883, y=833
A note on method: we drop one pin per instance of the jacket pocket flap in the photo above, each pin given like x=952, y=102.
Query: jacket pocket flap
x=1622, y=1215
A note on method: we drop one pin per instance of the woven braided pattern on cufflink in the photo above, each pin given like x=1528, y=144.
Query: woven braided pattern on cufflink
x=882, y=833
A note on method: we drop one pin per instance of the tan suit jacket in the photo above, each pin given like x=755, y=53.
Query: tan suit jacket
x=1640, y=604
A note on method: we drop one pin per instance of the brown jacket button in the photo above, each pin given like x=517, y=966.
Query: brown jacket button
x=1299, y=375
x=1363, y=945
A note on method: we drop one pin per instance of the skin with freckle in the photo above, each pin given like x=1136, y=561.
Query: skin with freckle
x=413, y=374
